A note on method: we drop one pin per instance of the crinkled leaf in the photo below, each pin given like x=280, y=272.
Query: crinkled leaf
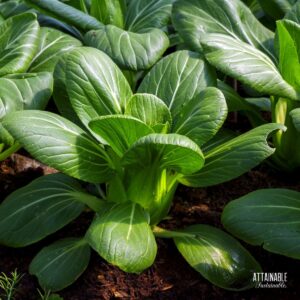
x=18, y=43
x=170, y=151
x=218, y=257
x=60, y=264
x=288, y=43
x=178, y=78
x=149, y=109
x=129, y=50
x=194, y=19
x=235, y=157
x=247, y=64
x=66, y=13
x=202, y=117
x=52, y=44
x=57, y=142
x=142, y=15
x=39, y=209
x=119, y=131
x=123, y=237
x=24, y=91
x=95, y=85
x=267, y=217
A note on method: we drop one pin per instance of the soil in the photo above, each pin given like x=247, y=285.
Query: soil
x=170, y=277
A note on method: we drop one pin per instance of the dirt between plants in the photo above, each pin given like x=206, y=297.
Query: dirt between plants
x=170, y=277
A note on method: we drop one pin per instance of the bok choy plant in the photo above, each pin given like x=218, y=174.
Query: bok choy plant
x=132, y=33
x=234, y=41
x=237, y=44
x=135, y=149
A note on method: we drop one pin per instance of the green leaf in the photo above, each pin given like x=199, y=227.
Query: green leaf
x=277, y=8
x=235, y=157
x=247, y=64
x=142, y=15
x=39, y=209
x=149, y=109
x=288, y=43
x=203, y=116
x=293, y=14
x=123, y=237
x=52, y=44
x=295, y=115
x=60, y=264
x=109, y=11
x=60, y=94
x=95, y=85
x=178, y=78
x=267, y=217
x=218, y=257
x=24, y=91
x=12, y=8
x=60, y=144
x=5, y=137
x=66, y=13
x=194, y=19
x=119, y=131
x=129, y=50
x=18, y=43
x=169, y=151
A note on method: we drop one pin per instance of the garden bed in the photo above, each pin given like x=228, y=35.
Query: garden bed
x=170, y=277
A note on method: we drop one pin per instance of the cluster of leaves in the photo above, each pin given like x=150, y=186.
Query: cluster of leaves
x=127, y=136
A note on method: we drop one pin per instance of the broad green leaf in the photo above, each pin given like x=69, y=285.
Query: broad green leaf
x=129, y=50
x=255, y=7
x=178, y=78
x=295, y=115
x=39, y=209
x=66, y=13
x=123, y=237
x=288, y=43
x=119, y=131
x=60, y=94
x=169, y=151
x=267, y=217
x=109, y=11
x=247, y=64
x=57, y=142
x=202, y=117
x=223, y=135
x=12, y=8
x=194, y=19
x=24, y=91
x=293, y=14
x=277, y=8
x=18, y=43
x=235, y=157
x=95, y=85
x=142, y=15
x=218, y=257
x=60, y=264
x=52, y=44
x=149, y=109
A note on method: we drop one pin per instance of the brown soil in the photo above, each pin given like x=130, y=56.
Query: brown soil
x=170, y=277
